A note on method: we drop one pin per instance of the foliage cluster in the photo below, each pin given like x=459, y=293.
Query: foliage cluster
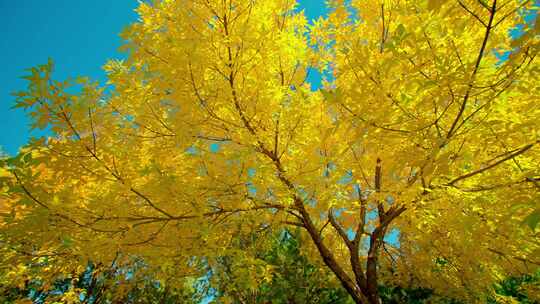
x=416, y=165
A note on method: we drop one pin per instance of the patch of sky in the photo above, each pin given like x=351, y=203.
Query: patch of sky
x=351, y=234
x=357, y=190
x=215, y=147
x=339, y=211
x=392, y=237
x=529, y=16
x=203, y=284
x=129, y=274
x=192, y=151
x=346, y=178
x=129, y=117
x=502, y=56
x=312, y=202
x=353, y=12
x=34, y=36
x=304, y=195
x=328, y=169
x=517, y=32
x=252, y=190
x=371, y=215
x=314, y=78
x=312, y=9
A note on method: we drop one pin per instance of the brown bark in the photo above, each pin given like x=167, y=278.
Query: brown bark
x=329, y=259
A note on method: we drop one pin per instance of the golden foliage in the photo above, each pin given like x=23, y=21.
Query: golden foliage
x=428, y=127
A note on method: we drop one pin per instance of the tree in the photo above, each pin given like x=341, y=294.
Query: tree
x=416, y=163
x=293, y=277
x=44, y=281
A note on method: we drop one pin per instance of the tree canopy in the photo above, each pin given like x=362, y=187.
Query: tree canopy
x=416, y=164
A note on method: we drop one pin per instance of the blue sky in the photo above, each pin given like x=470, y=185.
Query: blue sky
x=79, y=35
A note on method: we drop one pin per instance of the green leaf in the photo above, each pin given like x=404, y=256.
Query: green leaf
x=532, y=219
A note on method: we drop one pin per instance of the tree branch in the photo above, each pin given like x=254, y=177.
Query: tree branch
x=474, y=72
x=339, y=229
x=472, y=13
x=479, y=171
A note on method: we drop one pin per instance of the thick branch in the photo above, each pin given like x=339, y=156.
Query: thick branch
x=355, y=250
x=376, y=240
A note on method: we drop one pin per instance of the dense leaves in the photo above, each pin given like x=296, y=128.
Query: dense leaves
x=295, y=279
x=416, y=165
x=96, y=284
